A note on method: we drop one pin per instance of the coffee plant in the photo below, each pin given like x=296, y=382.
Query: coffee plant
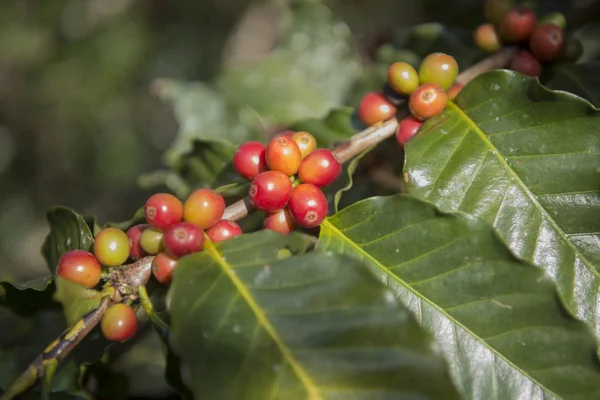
x=438, y=238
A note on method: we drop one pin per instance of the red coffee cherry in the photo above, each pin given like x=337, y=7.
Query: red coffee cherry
x=525, y=63
x=111, y=247
x=283, y=154
x=487, y=38
x=223, y=230
x=518, y=24
x=270, y=191
x=163, y=266
x=308, y=205
x=454, y=91
x=204, y=207
x=427, y=101
x=151, y=240
x=374, y=108
x=403, y=78
x=135, y=248
x=320, y=168
x=79, y=266
x=183, y=238
x=439, y=69
x=280, y=221
x=162, y=210
x=119, y=323
x=250, y=159
x=407, y=128
x=305, y=141
x=547, y=42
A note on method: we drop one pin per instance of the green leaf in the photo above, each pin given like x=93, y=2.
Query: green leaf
x=27, y=298
x=347, y=174
x=138, y=218
x=248, y=325
x=339, y=125
x=68, y=231
x=75, y=299
x=579, y=79
x=527, y=160
x=296, y=80
x=498, y=319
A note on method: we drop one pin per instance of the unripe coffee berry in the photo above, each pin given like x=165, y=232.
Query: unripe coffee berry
x=308, y=205
x=555, y=18
x=204, y=207
x=163, y=266
x=223, y=230
x=320, y=168
x=427, y=101
x=495, y=10
x=439, y=69
x=283, y=154
x=135, y=248
x=525, y=63
x=305, y=141
x=162, y=210
x=119, y=323
x=518, y=24
x=111, y=247
x=374, y=108
x=280, y=221
x=407, y=128
x=270, y=191
x=152, y=240
x=183, y=238
x=547, y=42
x=487, y=39
x=79, y=266
x=250, y=159
x=403, y=78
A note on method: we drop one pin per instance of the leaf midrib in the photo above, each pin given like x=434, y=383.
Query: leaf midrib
x=528, y=193
x=333, y=229
x=306, y=380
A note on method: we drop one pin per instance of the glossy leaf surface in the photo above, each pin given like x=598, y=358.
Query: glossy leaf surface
x=580, y=79
x=526, y=160
x=257, y=318
x=500, y=322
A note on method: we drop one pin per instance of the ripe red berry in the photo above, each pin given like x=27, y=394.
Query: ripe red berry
x=183, y=238
x=403, y=78
x=249, y=159
x=79, y=266
x=119, y=323
x=163, y=266
x=152, y=240
x=547, y=42
x=279, y=221
x=162, y=210
x=307, y=205
x=487, y=39
x=407, y=128
x=111, y=247
x=223, y=230
x=270, y=191
x=320, y=168
x=427, y=101
x=374, y=107
x=454, y=91
x=283, y=154
x=525, y=63
x=135, y=248
x=305, y=141
x=204, y=207
x=439, y=69
x=518, y=24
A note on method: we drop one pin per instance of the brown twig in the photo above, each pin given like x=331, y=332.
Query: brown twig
x=378, y=133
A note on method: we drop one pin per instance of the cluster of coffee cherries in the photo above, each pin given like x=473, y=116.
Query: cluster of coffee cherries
x=540, y=41
x=173, y=230
x=288, y=175
x=428, y=92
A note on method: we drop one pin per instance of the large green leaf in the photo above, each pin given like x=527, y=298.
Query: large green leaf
x=527, y=160
x=580, y=79
x=498, y=319
x=249, y=324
